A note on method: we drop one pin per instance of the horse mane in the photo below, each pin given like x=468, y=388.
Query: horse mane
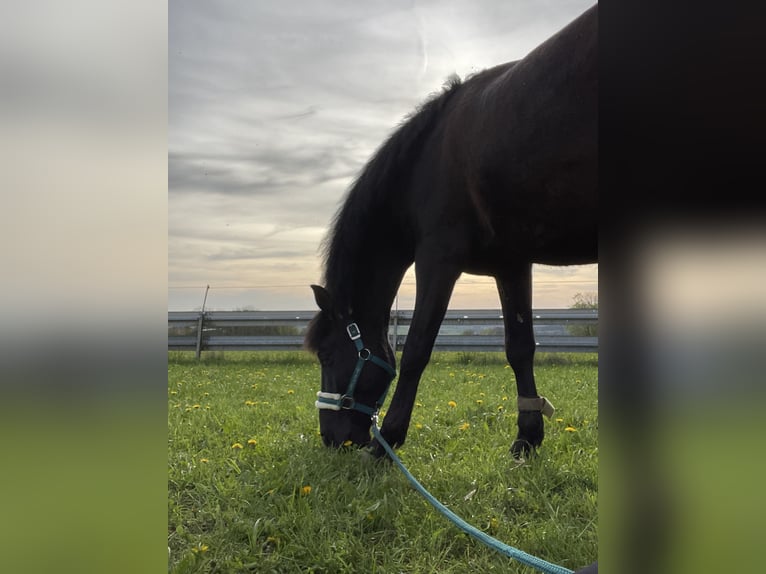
x=359, y=218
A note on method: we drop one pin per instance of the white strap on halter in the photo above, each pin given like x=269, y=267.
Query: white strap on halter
x=536, y=404
x=332, y=396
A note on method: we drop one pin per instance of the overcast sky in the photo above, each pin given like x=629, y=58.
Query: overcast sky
x=274, y=107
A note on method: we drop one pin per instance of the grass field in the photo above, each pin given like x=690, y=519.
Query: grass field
x=252, y=489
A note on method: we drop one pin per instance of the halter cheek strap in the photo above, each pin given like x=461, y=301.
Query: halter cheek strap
x=336, y=401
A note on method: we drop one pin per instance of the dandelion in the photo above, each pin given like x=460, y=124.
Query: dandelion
x=173, y=392
x=559, y=420
x=195, y=406
x=418, y=426
x=201, y=548
x=237, y=445
x=204, y=460
x=479, y=402
x=570, y=429
x=252, y=442
x=505, y=398
x=348, y=442
x=465, y=426
x=499, y=408
x=453, y=404
x=418, y=404
x=249, y=403
x=290, y=392
x=305, y=490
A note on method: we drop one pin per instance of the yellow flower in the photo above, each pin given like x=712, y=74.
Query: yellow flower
x=200, y=548
x=249, y=403
x=418, y=426
x=204, y=460
x=453, y=404
x=465, y=426
x=479, y=402
x=306, y=490
x=237, y=445
x=252, y=442
x=559, y=420
x=500, y=408
x=570, y=429
x=290, y=392
x=195, y=406
x=348, y=442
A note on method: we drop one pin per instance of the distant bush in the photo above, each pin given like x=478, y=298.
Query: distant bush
x=584, y=301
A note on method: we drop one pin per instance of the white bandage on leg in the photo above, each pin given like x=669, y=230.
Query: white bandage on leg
x=536, y=404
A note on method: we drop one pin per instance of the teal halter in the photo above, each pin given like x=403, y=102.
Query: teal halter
x=346, y=401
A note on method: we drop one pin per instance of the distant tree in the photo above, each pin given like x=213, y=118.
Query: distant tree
x=588, y=300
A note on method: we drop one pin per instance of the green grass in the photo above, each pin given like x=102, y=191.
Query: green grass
x=284, y=503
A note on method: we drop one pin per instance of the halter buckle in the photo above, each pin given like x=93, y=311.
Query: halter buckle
x=354, y=332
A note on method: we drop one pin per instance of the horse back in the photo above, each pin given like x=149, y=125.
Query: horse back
x=518, y=153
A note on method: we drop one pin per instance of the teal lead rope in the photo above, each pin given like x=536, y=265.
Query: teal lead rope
x=493, y=543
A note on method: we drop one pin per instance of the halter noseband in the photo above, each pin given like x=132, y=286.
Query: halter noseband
x=336, y=401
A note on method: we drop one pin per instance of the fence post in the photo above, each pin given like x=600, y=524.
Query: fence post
x=200, y=323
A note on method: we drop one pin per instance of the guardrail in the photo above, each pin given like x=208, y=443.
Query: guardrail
x=556, y=330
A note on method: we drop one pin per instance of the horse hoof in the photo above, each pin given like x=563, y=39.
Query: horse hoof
x=521, y=449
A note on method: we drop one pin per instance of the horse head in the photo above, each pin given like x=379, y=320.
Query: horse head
x=357, y=369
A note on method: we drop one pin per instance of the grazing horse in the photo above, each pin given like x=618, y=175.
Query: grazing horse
x=493, y=174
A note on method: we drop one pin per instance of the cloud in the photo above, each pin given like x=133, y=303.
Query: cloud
x=274, y=108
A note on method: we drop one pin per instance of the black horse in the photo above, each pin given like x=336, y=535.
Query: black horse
x=492, y=175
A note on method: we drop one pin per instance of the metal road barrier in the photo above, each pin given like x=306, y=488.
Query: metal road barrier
x=467, y=330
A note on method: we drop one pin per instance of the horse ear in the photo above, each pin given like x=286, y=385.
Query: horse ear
x=323, y=299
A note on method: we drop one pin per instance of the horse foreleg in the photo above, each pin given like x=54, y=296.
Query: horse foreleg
x=434, y=289
x=515, y=289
